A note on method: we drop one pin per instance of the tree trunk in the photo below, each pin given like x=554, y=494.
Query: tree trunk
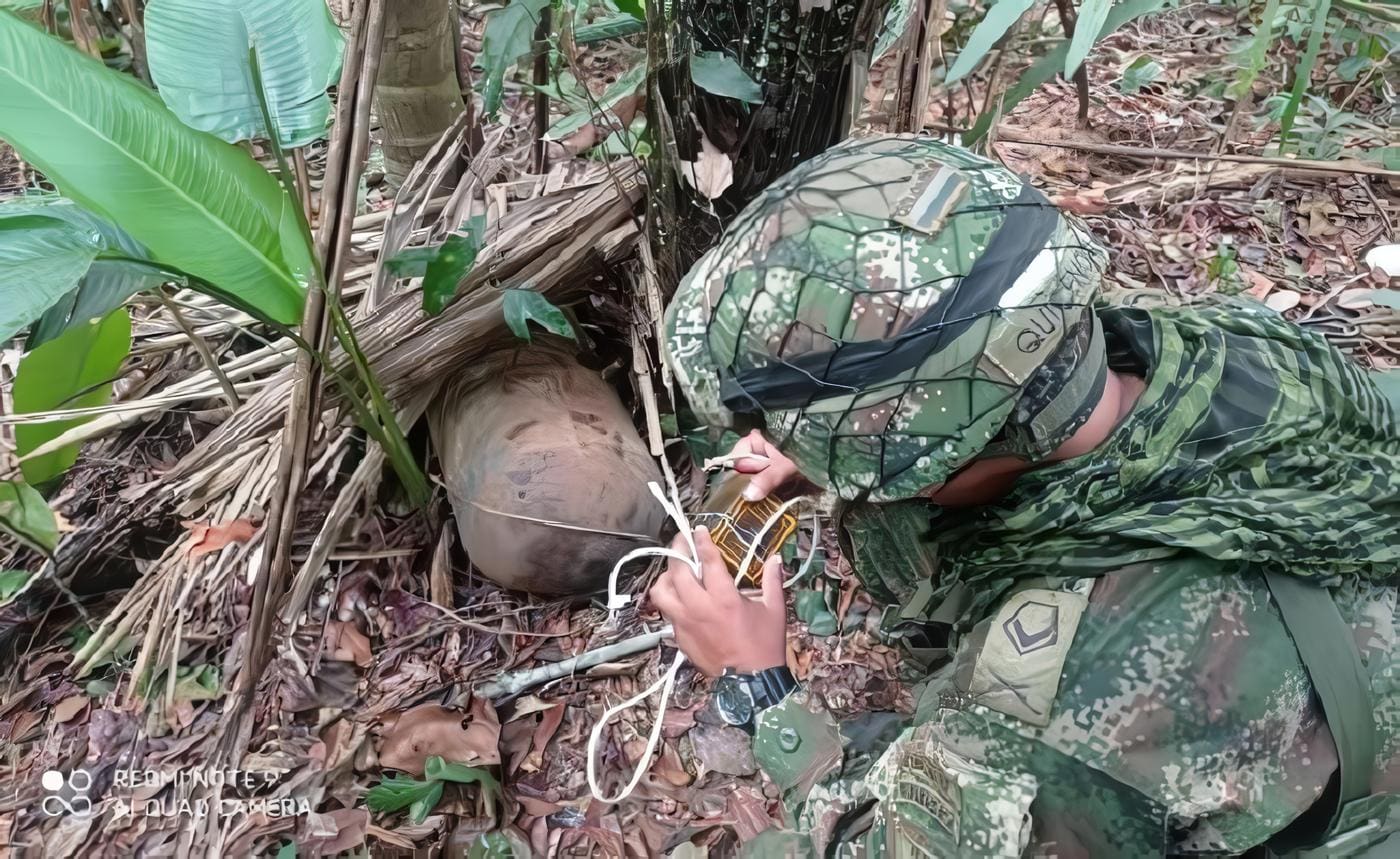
x=809, y=56
x=417, y=96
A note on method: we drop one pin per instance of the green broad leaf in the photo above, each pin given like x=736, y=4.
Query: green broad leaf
x=990, y=29
x=614, y=27
x=614, y=94
x=74, y=370
x=1223, y=264
x=437, y=768
x=1257, y=57
x=1049, y=65
x=197, y=683
x=41, y=261
x=201, y=206
x=523, y=306
x=632, y=143
x=411, y=262
x=453, y=259
x=424, y=804
x=288, y=850
x=12, y=582
x=823, y=624
x=811, y=609
x=1302, y=73
x=25, y=515
x=636, y=8
x=108, y=281
x=398, y=792
x=1087, y=28
x=510, y=33
x=198, y=54
x=809, y=604
x=719, y=74
x=1352, y=67
x=499, y=845
x=1139, y=73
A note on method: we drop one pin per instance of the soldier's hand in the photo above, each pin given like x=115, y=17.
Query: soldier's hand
x=716, y=626
x=768, y=474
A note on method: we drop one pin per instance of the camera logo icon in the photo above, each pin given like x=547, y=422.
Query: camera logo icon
x=66, y=794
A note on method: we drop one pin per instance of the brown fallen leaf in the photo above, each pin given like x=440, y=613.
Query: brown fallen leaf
x=69, y=707
x=211, y=538
x=1318, y=210
x=1259, y=285
x=750, y=812
x=668, y=766
x=431, y=729
x=345, y=643
x=536, y=807
x=334, y=832
x=1090, y=201
x=677, y=721
x=544, y=731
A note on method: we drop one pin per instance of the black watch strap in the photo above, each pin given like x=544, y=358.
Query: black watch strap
x=770, y=686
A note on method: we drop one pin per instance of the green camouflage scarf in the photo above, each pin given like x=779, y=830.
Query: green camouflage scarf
x=1254, y=442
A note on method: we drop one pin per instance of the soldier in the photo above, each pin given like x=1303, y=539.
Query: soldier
x=1162, y=544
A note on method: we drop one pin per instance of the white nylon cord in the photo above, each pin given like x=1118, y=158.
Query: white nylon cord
x=667, y=682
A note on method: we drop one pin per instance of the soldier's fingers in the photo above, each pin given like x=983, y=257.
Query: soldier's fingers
x=663, y=596
x=773, y=586
x=688, y=590
x=753, y=443
x=707, y=552
x=764, y=482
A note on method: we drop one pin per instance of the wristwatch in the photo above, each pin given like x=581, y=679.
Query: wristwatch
x=740, y=697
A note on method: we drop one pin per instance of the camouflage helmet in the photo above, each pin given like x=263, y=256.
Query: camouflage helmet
x=895, y=307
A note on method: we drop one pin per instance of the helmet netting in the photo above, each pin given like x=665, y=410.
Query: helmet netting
x=888, y=377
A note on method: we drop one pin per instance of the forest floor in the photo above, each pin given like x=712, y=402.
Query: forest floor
x=362, y=686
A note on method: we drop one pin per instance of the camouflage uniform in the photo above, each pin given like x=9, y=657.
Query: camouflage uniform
x=1121, y=681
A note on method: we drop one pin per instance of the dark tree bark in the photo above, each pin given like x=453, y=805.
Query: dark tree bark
x=810, y=59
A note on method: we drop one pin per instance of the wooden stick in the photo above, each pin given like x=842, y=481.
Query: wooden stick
x=84, y=31
x=1068, y=19
x=210, y=362
x=541, y=97
x=303, y=410
x=303, y=181
x=519, y=681
x=1147, y=152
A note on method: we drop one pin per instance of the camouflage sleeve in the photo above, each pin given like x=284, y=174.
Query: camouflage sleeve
x=956, y=783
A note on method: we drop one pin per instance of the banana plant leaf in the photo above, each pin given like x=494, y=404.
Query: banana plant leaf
x=43, y=243
x=198, y=53
x=73, y=371
x=41, y=260
x=201, y=206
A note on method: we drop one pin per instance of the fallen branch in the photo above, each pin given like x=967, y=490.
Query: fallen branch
x=519, y=681
x=1348, y=166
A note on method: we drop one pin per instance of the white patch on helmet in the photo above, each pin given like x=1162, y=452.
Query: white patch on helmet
x=1030, y=281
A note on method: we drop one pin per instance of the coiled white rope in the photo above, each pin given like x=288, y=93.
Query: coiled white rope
x=667, y=682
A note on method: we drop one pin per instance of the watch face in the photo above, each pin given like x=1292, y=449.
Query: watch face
x=732, y=701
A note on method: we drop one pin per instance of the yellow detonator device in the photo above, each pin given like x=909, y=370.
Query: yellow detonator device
x=734, y=522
